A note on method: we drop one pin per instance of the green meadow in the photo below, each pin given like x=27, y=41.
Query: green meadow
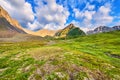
x=91, y=57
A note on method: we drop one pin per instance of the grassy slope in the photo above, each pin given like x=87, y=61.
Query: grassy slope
x=75, y=32
x=89, y=57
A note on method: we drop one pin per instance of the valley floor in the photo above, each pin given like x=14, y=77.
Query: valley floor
x=93, y=57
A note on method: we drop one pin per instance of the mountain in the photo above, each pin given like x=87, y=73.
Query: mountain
x=100, y=29
x=103, y=29
x=75, y=32
x=8, y=26
x=63, y=32
x=116, y=27
x=42, y=32
x=70, y=30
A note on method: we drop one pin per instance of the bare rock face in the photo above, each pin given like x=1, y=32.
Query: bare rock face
x=116, y=27
x=101, y=29
x=8, y=26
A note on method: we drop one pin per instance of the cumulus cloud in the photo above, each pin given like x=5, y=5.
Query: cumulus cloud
x=102, y=16
x=34, y=26
x=87, y=12
x=20, y=10
x=51, y=15
x=90, y=18
x=78, y=14
x=84, y=18
x=91, y=7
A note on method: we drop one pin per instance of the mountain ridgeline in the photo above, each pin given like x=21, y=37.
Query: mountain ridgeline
x=69, y=31
x=103, y=29
x=8, y=26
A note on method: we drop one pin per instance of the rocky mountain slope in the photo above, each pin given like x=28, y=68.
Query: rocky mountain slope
x=103, y=29
x=70, y=30
x=116, y=27
x=8, y=26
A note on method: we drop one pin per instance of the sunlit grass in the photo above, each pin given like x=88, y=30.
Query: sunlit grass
x=87, y=57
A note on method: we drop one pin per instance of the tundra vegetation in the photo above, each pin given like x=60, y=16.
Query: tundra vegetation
x=91, y=57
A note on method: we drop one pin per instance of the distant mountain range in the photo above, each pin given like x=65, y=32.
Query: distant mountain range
x=103, y=29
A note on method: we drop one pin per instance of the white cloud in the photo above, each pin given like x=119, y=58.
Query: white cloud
x=87, y=12
x=54, y=16
x=102, y=16
x=89, y=18
x=78, y=14
x=51, y=14
x=34, y=26
x=53, y=26
x=86, y=17
x=20, y=10
x=91, y=7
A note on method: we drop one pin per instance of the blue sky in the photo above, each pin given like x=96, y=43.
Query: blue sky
x=56, y=14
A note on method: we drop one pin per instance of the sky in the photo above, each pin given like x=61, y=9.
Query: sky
x=57, y=14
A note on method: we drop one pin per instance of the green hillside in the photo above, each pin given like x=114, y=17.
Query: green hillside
x=75, y=32
x=69, y=31
x=92, y=57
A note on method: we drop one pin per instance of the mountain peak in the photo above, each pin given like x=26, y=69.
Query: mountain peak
x=70, y=30
x=116, y=27
x=103, y=29
x=71, y=25
x=4, y=14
